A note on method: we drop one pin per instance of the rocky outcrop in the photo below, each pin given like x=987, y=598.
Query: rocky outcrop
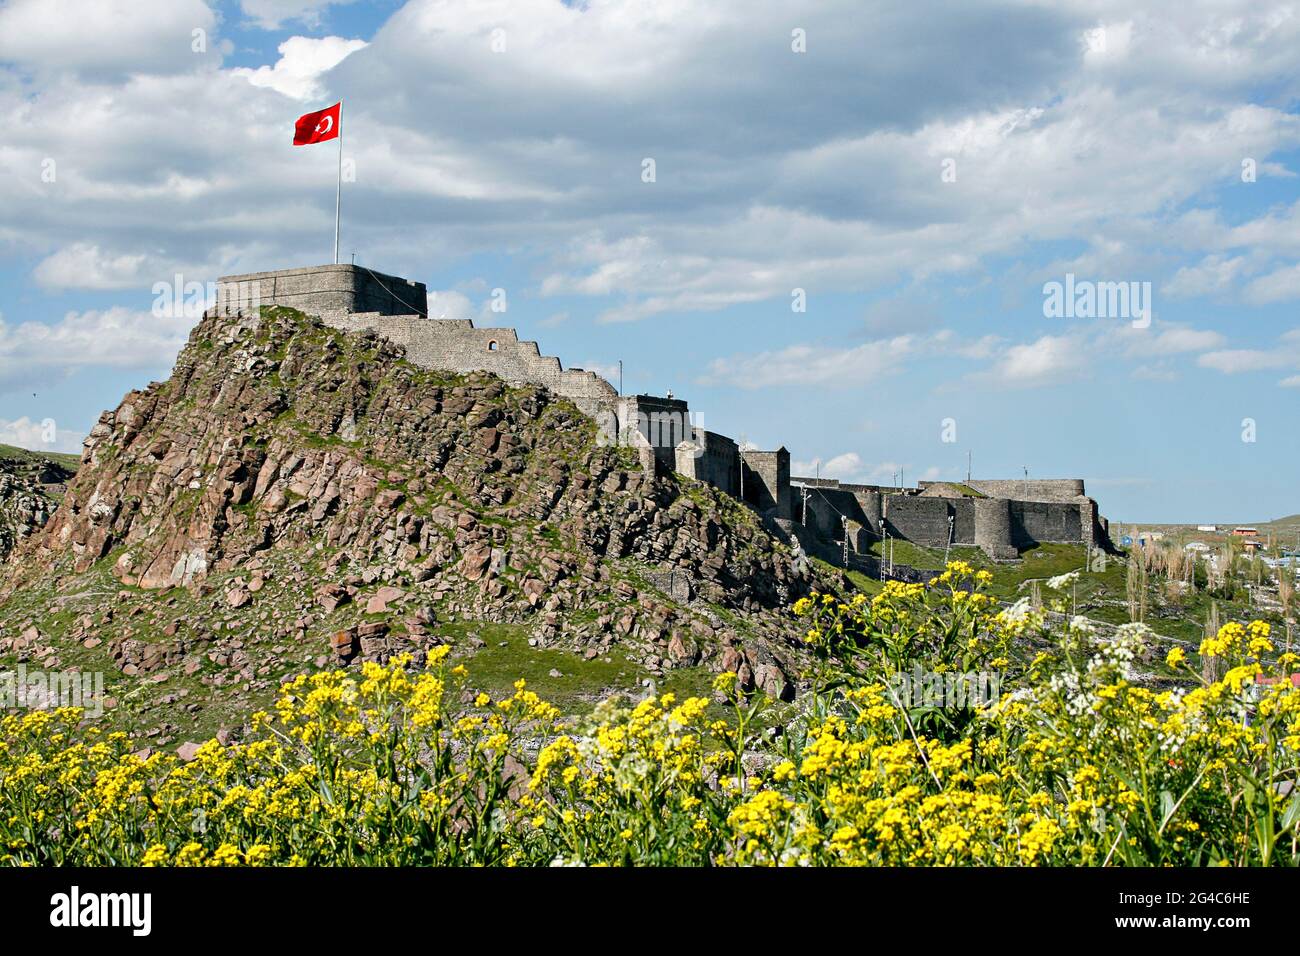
x=296, y=467
x=30, y=488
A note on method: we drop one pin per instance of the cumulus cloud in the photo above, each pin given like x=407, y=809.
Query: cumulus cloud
x=539, y=150
x=850, y=468
x=44, y=435
x=1048, y=360
x=996, y=362
x=1286, y=354
x=85, y=266
x=116, y=338
x=544, y=142
x=297, y=74
x=451, y=304
x=812, y=365
x=1213, y=274
x=105, y=38
x=271, y=14
x=1281, y=285
x=847, y=467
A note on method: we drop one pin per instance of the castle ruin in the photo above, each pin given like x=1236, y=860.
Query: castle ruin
x=833, y=520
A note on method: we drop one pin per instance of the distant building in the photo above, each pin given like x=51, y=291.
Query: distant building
x=1207, y=527
x=1245, y=532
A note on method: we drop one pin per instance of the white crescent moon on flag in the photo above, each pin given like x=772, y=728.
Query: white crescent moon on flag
x=325, y=125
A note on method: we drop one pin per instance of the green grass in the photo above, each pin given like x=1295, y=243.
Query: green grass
x=71, y=462
x=494, y=669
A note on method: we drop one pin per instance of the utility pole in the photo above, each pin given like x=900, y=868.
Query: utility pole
x=883, y=544
x=620, y=378
x=948, y=545
x=844, y=522
x=968, y=465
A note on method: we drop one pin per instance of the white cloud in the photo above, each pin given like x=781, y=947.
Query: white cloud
x=1233, y=361
x=1048, y=360
x=1284, y=355
x=303, y=60
x=39, y=435
x=812, y=365
x=271, y=14
x=1213, y=274
x=117, y=338
x=850, y=468
x=1282, y=285
x=85, y=266
x=1164, y=339
x=104, y=37
x=450, y=304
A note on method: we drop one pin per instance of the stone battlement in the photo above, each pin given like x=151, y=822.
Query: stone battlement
x=319, y=289
x=457, y=345
x=999, y=516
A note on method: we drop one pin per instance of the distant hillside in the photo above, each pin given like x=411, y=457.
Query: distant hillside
x=1289, y=524
x=10, y=453
x=31, y=486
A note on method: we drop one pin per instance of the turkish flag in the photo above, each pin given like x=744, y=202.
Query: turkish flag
x=317, y=127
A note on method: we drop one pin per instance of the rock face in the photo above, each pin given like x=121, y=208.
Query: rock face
x=382, y=490
x=30, y=488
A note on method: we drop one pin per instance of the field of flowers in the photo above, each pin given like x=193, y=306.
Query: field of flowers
x=1075, y=763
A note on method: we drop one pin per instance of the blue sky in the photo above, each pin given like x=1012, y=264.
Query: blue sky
x=502, y=145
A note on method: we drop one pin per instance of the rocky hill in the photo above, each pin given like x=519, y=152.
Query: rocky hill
x=295, y=497
x=31, y=486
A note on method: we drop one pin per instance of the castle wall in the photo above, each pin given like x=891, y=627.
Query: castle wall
x=664, y=423
x=872, y=505
x=963, y=528
x=1014, y=512
x=718, y=464
x=456, y=345
x=329, y=288
x=921, y=520
x=992, y=521
x=821, y=516
x=766, y=479
x=1038, y=489
x=824, y=506
x=1034, y=522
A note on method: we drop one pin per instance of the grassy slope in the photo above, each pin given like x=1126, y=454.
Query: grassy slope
x=71, y=462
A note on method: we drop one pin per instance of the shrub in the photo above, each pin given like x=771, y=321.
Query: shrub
x=1075, y=763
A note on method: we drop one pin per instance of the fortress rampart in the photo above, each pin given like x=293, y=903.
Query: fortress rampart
x=317, y=290
x=1000, y=526
x=1001, y=517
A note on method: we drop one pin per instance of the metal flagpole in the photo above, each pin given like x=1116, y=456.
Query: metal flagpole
x=338, y=193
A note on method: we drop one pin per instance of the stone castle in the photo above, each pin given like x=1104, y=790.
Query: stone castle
x=832, y=520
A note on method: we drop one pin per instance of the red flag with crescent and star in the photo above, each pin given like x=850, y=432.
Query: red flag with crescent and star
x=317, y=127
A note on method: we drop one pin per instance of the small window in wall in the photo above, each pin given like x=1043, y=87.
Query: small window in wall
x=492, y=346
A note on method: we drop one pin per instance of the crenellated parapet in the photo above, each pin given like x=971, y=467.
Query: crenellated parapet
x=999, y=516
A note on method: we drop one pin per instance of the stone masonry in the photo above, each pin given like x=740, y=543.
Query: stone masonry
x=1002, y=517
